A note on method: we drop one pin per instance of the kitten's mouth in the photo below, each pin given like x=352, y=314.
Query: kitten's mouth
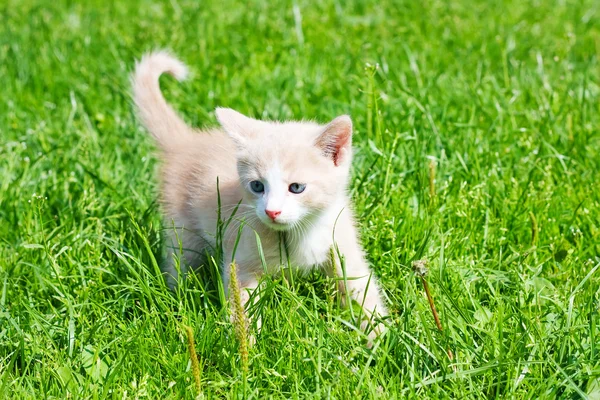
x=277, y=225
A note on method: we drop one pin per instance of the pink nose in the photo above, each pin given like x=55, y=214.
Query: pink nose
x=273, y=214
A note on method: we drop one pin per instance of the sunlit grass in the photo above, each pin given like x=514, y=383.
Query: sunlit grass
x=477, y=149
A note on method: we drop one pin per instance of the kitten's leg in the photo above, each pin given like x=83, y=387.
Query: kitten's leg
x=360, y=283
x=185, y=246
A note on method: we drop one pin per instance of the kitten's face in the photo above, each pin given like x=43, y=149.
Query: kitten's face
x=291, y=171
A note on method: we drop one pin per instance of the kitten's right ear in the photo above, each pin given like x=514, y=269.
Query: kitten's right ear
x=237, y=125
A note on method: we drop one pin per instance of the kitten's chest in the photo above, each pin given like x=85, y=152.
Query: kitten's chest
x=310, y=250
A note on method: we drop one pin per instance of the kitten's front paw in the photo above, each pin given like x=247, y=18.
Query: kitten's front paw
x=250, y=332
x=253, y=332
x=251, y=339
x=373, y=332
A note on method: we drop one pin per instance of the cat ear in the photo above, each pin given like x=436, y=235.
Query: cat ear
x=336, y=140
x=237, y=125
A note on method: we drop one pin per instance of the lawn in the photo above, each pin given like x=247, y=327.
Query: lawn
x=477, y=150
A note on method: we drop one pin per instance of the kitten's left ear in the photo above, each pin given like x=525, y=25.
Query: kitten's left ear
x=336, y=140
x=237, y=125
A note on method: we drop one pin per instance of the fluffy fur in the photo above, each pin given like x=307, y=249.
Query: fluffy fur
x=276, y=154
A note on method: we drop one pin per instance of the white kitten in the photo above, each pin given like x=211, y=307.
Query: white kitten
x=290, y=177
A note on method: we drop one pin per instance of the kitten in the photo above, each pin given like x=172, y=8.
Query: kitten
x=289, y=179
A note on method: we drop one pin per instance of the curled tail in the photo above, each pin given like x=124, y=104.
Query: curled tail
x=155, y=114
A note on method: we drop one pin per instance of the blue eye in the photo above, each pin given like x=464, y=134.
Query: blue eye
x=297, y=188
x=257, y=186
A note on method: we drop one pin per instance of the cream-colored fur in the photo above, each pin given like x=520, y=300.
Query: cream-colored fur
x=245, y=150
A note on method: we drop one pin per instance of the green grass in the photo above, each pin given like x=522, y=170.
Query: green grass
x=503, y=97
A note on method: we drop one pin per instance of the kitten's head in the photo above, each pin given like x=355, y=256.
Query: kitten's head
x=291, y=171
